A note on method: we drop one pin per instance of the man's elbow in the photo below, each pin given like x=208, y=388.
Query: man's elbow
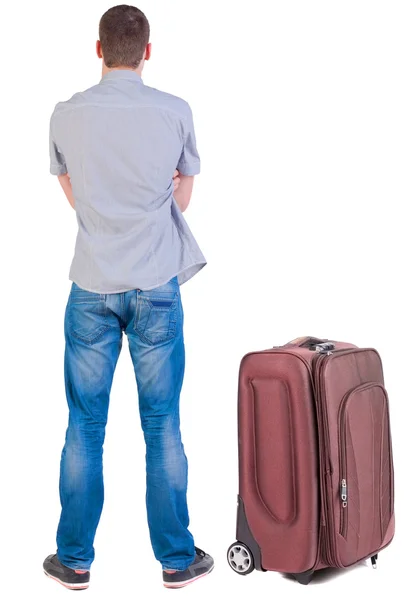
x=184, y=192
x=184, y=203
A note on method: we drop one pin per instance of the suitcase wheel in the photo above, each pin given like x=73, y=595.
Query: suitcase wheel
x=240, y=558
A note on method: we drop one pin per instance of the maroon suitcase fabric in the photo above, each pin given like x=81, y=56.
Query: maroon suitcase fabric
x=315, y=459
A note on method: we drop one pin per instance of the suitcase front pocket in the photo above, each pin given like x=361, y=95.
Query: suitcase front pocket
x=366, y=486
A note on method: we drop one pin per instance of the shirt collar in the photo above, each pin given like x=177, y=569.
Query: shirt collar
x=122, y=74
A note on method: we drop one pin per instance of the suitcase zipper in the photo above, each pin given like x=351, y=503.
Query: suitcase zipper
x=325, y=482
x=343, y=469
x=326, y=469
x=344, y=508
x=343, y=458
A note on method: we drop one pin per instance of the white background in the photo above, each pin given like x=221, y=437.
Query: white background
x=299, y=116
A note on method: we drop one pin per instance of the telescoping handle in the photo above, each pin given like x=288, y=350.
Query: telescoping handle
x=324, y=348
x=314, y=344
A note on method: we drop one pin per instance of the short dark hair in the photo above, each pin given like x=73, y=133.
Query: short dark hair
x=124, y=35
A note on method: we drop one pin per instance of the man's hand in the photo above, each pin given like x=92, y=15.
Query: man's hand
x=176, y=180
x=64, y=181
x=182, y=189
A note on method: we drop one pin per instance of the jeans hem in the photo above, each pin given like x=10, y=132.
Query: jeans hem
x=178, y=566
x=80, y=567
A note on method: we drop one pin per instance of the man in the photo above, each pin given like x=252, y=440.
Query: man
x=115, y=148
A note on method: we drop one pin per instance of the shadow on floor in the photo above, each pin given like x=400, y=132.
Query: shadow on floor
x=329, y=574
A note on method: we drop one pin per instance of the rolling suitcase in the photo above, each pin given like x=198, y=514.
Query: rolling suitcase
x=315, y=459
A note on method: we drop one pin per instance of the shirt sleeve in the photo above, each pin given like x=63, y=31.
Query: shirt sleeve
x=189, y=163
x=57, y=160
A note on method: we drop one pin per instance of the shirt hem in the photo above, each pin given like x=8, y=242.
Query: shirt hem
x=199, y=264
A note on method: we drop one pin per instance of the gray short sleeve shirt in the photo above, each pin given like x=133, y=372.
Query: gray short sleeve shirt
x=121, y=141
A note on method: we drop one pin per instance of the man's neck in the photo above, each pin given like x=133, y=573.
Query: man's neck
x=138, y=70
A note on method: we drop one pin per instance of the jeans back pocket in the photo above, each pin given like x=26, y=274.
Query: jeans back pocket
x=86, y=315
x=157, y=316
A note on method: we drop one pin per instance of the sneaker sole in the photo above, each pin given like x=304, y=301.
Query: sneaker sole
x=182, y=584
x=69, y=586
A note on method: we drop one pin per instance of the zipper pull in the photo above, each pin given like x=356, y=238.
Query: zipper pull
x=344, y=495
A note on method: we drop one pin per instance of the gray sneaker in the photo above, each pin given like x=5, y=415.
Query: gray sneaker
x=202, y=565
x=73, y=579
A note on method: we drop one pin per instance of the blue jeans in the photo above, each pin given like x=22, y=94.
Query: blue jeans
x=153, y=323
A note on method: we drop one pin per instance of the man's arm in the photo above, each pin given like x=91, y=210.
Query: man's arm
x=58, y=166
x=67, y=188
x=188, y=164
x=183, y=185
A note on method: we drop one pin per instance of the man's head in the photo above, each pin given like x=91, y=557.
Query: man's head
x=124, y=38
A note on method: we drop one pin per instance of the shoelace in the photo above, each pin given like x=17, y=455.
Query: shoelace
x=200, y=552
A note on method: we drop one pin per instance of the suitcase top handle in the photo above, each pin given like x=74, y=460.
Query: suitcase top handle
x=312, y=343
